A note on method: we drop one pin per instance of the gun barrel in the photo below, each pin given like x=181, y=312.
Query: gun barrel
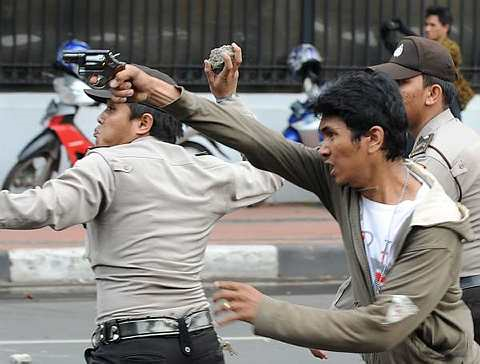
x=74, y=57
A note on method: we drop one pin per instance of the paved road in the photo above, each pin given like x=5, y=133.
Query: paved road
x=55, y=331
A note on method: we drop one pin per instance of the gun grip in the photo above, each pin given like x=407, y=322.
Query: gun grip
x=102, y=79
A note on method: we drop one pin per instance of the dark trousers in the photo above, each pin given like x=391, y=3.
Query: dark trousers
x=471, y=296
x=159, y=350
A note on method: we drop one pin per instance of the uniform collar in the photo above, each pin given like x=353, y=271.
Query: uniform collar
x=441, y=119
x=143, y=139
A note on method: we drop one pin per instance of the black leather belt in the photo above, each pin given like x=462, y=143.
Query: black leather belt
x=469, y=282
x=116, y=330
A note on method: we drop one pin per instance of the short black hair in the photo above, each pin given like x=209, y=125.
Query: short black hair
x=443, y=13
x=449, y=91
x=365, y=99
x=165, y=127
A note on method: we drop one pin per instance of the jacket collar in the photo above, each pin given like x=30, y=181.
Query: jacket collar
x=436, y=207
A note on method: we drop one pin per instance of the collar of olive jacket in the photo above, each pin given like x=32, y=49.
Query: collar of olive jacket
x=435, y=209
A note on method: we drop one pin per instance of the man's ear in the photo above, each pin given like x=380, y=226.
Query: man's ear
x=144, y=123
x=375, y=138
x=434, y=95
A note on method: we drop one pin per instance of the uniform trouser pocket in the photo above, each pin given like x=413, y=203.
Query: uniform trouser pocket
x=142, y=359
x=471, y=297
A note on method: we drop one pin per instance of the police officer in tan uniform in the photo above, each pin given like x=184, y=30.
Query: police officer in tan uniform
x=149, y=206
x=446, y=147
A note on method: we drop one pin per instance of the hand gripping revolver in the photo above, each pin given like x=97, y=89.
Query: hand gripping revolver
x=101, y=63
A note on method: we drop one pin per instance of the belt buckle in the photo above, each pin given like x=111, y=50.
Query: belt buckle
x=112, y=332
x=106, y=333
x=97, y=336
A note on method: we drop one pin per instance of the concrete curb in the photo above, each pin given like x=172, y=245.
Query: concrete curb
x=241, y=262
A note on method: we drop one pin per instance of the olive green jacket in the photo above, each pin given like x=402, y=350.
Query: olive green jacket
x=419, y=317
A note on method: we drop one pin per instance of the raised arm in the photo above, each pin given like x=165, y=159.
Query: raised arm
x=232, y=124
x=75, y=197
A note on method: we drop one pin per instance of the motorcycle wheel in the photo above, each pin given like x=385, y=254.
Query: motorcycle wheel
x=33, y=171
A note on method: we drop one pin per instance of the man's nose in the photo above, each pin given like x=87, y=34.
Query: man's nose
x=323, y=149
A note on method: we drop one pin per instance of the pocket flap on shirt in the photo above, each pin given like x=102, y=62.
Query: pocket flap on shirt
x=459, y=168
x=121, y=167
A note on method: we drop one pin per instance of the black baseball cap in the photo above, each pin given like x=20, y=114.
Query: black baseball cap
x=104, y=95
x=417, y=55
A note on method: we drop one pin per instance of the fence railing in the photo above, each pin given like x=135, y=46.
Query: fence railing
x=176, y=35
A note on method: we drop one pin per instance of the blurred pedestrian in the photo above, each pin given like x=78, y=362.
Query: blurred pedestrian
x=399, y=228
x=448, y=148
x=149, y=206
x=438, y=24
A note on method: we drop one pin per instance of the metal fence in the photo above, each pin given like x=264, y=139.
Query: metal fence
x=176, y=35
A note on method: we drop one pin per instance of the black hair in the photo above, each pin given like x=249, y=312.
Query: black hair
x=365, y=99
x=449, y=92
x=443, y=13
x=165, y=127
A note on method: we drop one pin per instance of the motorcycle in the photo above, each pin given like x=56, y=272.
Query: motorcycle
x=40, y=159
x=61, y=139
x=303, y=124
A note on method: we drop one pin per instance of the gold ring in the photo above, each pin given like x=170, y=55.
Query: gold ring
x=226, y=304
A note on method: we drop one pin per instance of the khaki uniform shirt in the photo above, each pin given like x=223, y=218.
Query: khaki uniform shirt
x=150, y=207
x=451, y=152
x=465, y=92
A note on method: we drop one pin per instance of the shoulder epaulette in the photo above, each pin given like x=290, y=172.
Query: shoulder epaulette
x=422, y=145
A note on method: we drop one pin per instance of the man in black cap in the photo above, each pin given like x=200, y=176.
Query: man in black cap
x=448, y=149
x=149, y=207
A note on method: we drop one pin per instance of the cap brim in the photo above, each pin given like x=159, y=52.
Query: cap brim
x=101, y=96
x=395, y=71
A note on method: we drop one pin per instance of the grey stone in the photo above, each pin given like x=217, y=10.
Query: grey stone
x=216, y=58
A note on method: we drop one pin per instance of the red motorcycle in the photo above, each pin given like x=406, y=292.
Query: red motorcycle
x=40, y=159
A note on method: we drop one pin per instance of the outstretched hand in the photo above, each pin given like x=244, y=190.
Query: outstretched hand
x=225, y=83
x=240, y=299
x=134, y=85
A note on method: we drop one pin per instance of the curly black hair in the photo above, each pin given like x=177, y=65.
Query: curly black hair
x=365, y=99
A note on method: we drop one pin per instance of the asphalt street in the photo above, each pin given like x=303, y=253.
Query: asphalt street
x=57, y=330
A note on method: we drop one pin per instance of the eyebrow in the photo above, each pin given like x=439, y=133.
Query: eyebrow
x=326, y=129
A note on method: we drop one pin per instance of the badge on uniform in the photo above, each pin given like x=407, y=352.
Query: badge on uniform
x=422, y=145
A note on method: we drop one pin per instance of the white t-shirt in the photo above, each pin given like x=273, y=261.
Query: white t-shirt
x=380, y=224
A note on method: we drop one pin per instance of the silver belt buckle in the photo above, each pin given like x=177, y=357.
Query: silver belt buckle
x=114, y=334
x=94, y=339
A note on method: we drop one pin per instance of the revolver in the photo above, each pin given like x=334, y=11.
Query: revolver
x=101, y=63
